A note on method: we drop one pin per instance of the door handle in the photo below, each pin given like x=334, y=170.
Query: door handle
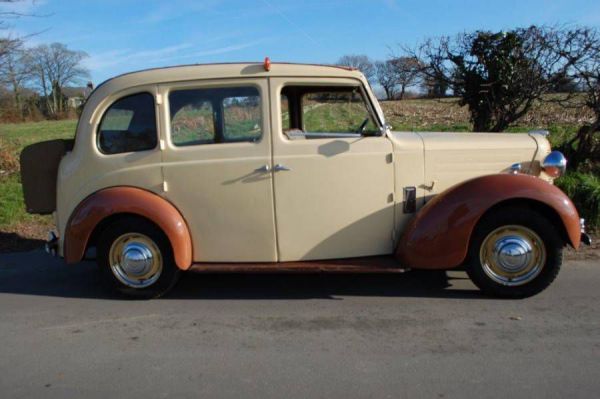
x=279, y=167
x=263, y=169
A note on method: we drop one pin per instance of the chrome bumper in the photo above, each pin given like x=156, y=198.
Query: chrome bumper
x=585, y=237
x=52, y=244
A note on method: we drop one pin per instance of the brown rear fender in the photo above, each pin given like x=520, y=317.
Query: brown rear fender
x=438, y=237
x=127, y=200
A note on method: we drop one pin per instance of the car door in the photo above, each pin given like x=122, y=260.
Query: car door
x=216, y=166
x=333, y=186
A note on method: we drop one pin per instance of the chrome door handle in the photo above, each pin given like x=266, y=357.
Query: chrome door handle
x=263, y=169
x=279, y=167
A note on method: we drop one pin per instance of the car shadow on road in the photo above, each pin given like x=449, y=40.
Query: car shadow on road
x=433, y=284
x=36, y=273
x=10, y=241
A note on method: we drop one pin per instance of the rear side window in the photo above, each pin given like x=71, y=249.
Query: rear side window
x=215, y=115
x=129, y=125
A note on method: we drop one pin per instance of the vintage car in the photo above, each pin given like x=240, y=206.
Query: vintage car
x=291, y=168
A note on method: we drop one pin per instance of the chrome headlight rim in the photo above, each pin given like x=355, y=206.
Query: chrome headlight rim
x=555, y=164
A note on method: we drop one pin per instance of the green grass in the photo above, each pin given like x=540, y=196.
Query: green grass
x=336, y=118
x=584, y=190
x=19, y=135
x=14, y=137
x=12, y=210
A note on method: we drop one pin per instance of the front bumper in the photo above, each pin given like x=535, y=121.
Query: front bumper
x=585, y=237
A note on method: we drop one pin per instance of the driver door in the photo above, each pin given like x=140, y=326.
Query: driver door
x=333, y=186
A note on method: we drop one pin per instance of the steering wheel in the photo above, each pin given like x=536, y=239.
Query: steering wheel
x=363, y=125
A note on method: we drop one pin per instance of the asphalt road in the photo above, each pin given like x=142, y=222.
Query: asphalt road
x=289, y=336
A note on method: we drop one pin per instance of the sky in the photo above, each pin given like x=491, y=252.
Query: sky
x=126, y=35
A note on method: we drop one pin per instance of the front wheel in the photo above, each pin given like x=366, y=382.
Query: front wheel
x=136, y=259
x=514, y=253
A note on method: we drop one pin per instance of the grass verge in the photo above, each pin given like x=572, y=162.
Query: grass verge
x=18, y=229
x=584, y=190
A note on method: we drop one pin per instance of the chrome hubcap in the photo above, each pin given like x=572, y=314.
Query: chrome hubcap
x=512, y=255
x=135, y=260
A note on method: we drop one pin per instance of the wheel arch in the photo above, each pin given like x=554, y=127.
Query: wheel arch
x=107, y=221
x=533, y=204
x=438, y=237
x=101, y=208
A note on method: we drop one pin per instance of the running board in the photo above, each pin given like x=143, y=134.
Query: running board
x=371, y=264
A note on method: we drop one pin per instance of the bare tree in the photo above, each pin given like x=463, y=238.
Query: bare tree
x=360, y=62
x=435, y=70
x=55, y=66
x=14, y=74
x=10, y=57
x=385, y=72
x=579, y=49
x=498, y=76
x=407, y=70
x=8, y=44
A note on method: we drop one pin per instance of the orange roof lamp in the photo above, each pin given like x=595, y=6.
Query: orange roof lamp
x=267, y=64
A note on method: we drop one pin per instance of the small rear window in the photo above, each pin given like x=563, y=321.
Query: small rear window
x=129, y=125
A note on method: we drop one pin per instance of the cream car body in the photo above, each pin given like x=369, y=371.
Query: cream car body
x=279, y=199
x=331, y=225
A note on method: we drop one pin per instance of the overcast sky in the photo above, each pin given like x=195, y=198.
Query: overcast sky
x=126, y=35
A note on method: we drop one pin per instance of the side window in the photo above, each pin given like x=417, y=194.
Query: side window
x=129, y=125
x=216, y=115
x=336, y=112
x=193, y=123
x=241, y=118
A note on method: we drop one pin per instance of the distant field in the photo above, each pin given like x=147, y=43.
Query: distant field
x=417, y=115
x=446, y=115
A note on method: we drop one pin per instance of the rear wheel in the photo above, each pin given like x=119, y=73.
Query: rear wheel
x=514, y=253
x=136, y=259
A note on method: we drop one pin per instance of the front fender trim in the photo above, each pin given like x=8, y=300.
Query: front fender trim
x=439, y=235
x=127, y=200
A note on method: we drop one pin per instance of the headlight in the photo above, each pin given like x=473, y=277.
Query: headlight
x=555, y=164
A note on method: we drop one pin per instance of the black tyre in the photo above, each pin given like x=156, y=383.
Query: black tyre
x=136, y=259
x=514, y=253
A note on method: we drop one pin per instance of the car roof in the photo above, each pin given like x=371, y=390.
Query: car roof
x=225, y=70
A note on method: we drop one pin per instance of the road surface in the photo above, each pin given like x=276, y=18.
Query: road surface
x=289, y=336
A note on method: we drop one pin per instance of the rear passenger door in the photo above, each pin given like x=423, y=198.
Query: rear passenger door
x=216, y=165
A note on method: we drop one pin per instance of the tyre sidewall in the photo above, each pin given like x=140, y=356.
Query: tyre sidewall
x=169, y=274
x=531, y=219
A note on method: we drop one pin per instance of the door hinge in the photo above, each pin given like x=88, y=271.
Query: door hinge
x=390, y=158
x=394, y=234
x=159, y=99
x=165, y=186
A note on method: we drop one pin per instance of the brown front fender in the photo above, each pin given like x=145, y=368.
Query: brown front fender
x=127, y=200
x=438, y=237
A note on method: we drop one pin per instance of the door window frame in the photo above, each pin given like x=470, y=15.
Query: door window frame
x=166, y=88
x=326, y=83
